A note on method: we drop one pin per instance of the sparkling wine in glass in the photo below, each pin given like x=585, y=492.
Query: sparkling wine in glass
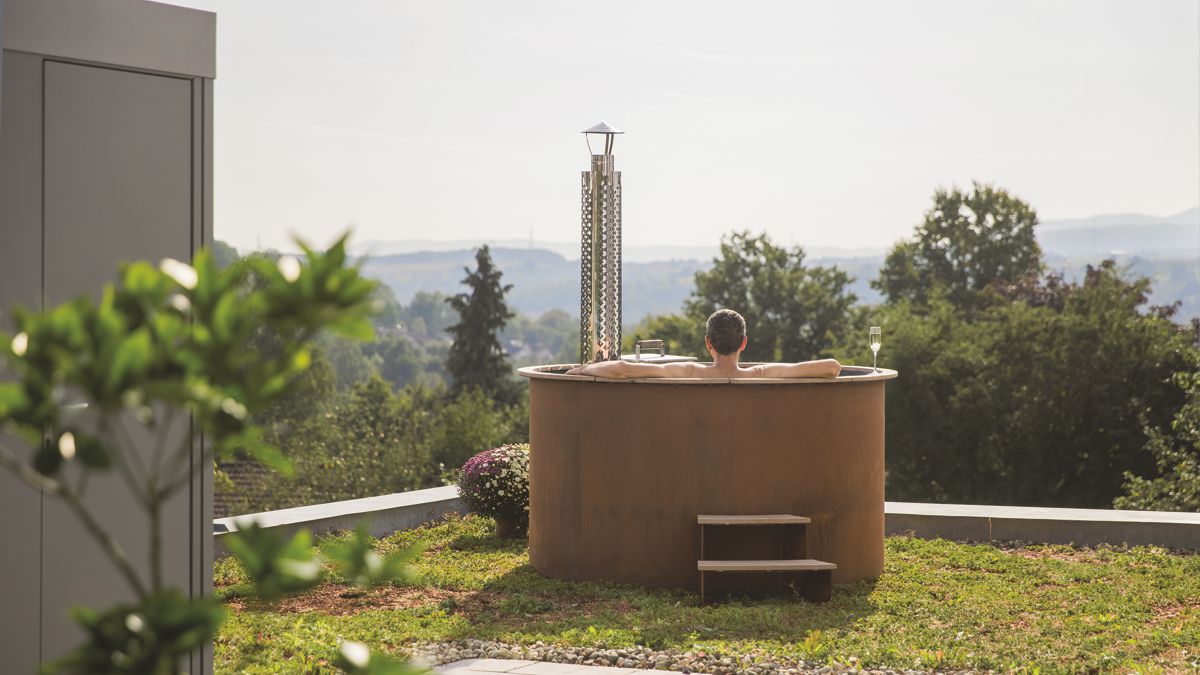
x=876, y=340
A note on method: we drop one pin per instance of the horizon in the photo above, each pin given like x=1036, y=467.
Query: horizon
x=377, y=248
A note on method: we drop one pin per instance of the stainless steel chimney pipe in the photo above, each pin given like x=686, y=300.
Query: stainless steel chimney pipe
x=600, y=254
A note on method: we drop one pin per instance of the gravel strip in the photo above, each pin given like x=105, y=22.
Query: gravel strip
x=437, y=653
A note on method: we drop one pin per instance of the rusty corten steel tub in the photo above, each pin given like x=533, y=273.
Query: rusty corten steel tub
x=619, y=469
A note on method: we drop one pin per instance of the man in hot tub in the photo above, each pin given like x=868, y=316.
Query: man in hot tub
x=725, y=337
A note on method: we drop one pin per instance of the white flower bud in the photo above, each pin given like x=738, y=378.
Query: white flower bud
x=301, y=569
x=374, y=562
x=181, y=303
x=233, y=408
x=356, y=653
x=66, y=445
x=181, y=272
x=20, y=343
x=289, y=267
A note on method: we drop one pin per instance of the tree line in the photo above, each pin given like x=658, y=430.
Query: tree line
x=396, y=414
x=1016, y=386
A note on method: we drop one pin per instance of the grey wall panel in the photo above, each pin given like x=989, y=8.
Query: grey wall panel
x=20, y=284
x=1, y=61
x=118, y=173
x=118, y=187
x=133, y=33
x=202, y=484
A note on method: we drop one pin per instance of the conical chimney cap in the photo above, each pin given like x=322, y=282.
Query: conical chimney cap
x=603, y=128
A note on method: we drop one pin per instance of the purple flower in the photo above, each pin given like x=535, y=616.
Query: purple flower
x=495, y=482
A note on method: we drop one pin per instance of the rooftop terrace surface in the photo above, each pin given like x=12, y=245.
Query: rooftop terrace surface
x=939, y=605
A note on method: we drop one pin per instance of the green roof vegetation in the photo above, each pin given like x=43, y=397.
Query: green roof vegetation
x=939, y=604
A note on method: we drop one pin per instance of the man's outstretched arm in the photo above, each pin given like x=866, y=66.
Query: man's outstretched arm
x=822, y=368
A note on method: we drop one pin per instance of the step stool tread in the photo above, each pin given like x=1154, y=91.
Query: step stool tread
x=804, y=565
x=759, y=519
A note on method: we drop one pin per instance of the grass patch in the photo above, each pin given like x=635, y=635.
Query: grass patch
x=939, y=604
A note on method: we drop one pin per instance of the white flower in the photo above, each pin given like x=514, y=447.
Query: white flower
x=374, y=563
x=233, y=408
x=300, y=569
x=183, y=273
x=180, y=302
x=66, y=445
x=134, y=623
x=20, y=343
x=356, y=653
x=289, y=267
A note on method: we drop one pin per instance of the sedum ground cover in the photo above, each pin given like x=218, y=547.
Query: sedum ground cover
x=939, y=605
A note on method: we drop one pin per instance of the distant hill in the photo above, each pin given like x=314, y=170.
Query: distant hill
x=659, y=278
x=542, y=280
x=570, y=250
x=1176, y=236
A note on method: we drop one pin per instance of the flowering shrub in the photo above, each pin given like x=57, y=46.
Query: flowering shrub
x=496, y=482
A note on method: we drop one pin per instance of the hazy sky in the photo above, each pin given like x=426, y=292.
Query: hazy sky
x=824, y=123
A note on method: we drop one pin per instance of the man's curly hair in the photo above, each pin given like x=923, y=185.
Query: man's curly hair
x=726, y=329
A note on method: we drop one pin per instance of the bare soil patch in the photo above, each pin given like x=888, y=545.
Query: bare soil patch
x=342, y=600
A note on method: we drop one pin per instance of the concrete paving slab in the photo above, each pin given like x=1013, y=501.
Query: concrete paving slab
x=518, y=667
x=550, y=668
x=483, y=666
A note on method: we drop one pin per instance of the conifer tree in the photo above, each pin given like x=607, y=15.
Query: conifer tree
x=476, y=359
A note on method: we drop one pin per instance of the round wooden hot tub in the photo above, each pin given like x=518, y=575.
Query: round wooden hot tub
x=620, y=469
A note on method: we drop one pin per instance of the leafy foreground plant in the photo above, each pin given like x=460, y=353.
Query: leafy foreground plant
x=165, y=347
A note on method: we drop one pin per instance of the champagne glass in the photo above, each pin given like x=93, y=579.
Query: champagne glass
x=876, y=340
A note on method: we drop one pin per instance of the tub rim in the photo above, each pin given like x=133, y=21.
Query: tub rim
x=540, y=373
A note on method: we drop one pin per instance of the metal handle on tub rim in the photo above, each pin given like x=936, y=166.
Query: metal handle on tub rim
x=648, y=344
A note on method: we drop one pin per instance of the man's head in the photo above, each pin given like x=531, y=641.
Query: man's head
x=725, y=332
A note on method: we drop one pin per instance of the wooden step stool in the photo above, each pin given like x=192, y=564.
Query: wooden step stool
x=814, y=577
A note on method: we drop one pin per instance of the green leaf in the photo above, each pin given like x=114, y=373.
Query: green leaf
x=302, y=359
x=249, y=439
x=275, y=564
x=12, y=397
x=357, y=561
x=271, y=456
x=223, y=316
x=129, y=361
x=141, y=277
